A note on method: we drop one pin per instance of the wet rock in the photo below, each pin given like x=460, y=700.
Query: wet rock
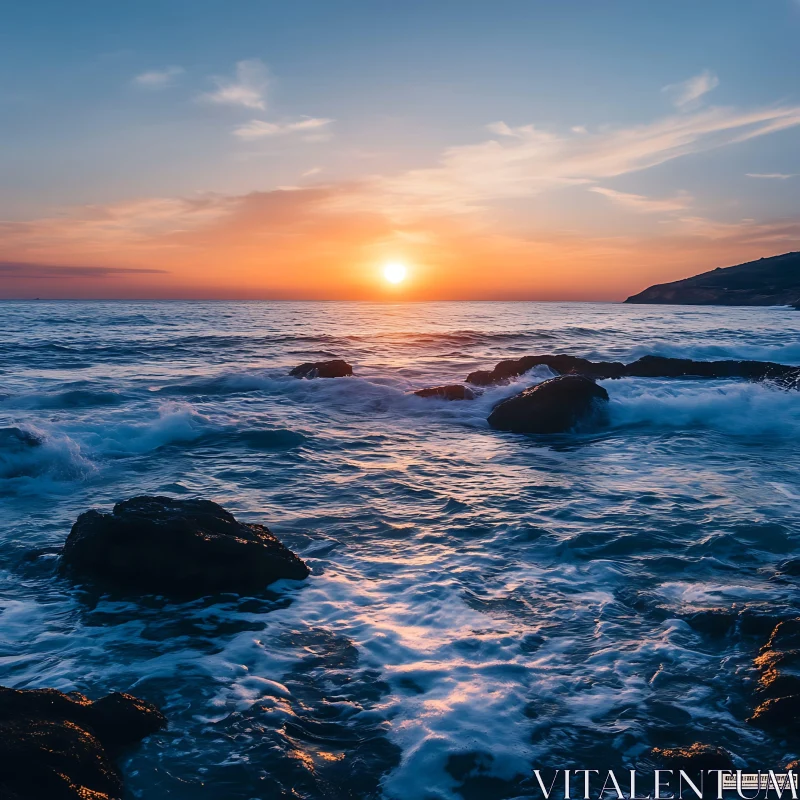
x=778, y=713
x=554, y=406
x=562, y=364
x=453, y=391
x=16, y=440
x=646, y=367
x=712, y=621
x=778, y=665
x=694, y=758
x=790, y=567
x=171, y=546
x=55, y=746
x=337, y=368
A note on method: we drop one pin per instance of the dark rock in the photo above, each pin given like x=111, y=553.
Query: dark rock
x=562, y=364
x=337, y=368
x=16, y=440
x=778, y=665
x=778, y=713
x=170, y=546
x=55, y=746
x=695, y=758
x=646, y=367
x=554, y=406
x=453, y=391
x=771, y=281
x=790, y=567
x=712, y=621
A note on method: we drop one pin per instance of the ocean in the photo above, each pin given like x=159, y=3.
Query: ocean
x=480, y=604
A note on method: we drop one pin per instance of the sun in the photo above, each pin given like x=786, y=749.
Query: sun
x=395, y=272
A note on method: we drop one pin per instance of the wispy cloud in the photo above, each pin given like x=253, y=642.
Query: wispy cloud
x=525, y=161
x=259, y=129
x=313, y=171
x=248, y=88
x=641, y=203
x=158, y=78
x=780, y=176
x=743, y=232
x=686, y=95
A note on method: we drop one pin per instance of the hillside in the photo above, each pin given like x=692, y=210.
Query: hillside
x=771, y=281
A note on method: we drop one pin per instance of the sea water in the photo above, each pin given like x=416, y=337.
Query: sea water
x=480, y=604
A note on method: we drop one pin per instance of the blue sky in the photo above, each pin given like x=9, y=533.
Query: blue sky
x=105, y=104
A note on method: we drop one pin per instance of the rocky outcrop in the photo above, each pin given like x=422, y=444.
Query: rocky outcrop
x=695, y=758
x=771, y=281
x=778, y=665
x=452, y=391
x=646, y=367
x=337, y=368
x=554, y=406
x=169, y=546
x=55, y=746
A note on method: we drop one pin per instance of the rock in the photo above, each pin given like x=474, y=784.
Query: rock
x=695, y=758
x=562, y=364
x=16, y=440
x=790, y=567
x=778, y=665
x=55, y=746
x=554, y=406
x=645, y=367
x=170, y=546
x=337, y=368
x=453, y=391
x=778, y=713
x=712, y=621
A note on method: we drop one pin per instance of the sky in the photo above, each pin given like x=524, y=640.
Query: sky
x=290, y=149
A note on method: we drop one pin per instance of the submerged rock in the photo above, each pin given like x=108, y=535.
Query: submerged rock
x=790, y=567
x=645, y=367
x=453, y=391
x=169, y=546
x=778, y=665
x=55, y=746
x=554, y=406
x=694, y=758
x=16, y=440
x=337, y=368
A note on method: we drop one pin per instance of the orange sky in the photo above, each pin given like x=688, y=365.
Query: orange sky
x=326, y=243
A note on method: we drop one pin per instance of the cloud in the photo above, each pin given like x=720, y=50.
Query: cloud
x=259, y=129
x=525, y=161
x=687, y=94
x=247, y=89
x=777, y=235
x=313, y=171
x=25, y=270
x=638, y=202
x=158, y=79
x=780, y=176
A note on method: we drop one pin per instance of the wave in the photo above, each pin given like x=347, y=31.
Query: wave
x=32, y=453
x=725, y=406
x=181, y=425
x=71, y=398
x=788, y=353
